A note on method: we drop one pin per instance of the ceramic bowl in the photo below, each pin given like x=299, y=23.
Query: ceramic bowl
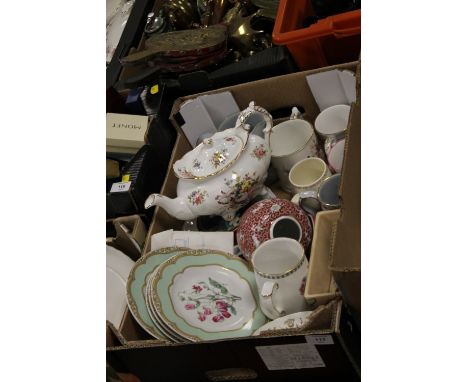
x=272, y=218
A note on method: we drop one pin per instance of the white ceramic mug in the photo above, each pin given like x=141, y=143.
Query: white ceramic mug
x=291, y=141
x=335, y=153
x=333, y=121
x=280, y=269
x=308, y=174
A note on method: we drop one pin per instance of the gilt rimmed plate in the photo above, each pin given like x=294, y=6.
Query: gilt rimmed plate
x=207, y=295
x=291, y=321
x=135, y=288
x=174, y=337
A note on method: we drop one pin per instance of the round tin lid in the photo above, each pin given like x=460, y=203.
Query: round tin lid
x=210, y=157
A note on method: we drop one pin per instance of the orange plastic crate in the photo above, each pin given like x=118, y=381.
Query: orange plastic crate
x=332, y=40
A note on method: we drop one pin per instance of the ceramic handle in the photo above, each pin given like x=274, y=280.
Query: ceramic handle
x=295, y=113
x=329, y=143
x=244, y=114
x=311, y=211
x=267, y=305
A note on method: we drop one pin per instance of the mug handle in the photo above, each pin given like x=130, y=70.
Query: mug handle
x=309, y=195
x=267, y=297
x=329, y=143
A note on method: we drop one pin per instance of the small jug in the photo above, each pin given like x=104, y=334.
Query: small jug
x=280, y=268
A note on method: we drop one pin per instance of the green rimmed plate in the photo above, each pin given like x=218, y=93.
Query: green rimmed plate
x=154, y=316
x=135, y=288
x=207, y=295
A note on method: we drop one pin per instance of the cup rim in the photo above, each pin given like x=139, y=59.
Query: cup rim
x=326, y=111
x=282, y=274
x=318, y=193
x=310, y=184
x=298, y=150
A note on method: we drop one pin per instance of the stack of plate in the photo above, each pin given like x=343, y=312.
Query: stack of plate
x=181, y=295
x=118, y=267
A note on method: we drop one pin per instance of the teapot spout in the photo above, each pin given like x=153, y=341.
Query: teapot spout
x=176, y=207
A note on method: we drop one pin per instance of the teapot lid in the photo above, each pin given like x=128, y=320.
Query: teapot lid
x=210, y=157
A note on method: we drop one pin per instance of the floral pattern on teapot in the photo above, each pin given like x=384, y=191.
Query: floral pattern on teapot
x=259, y=152
x=240, y=189
x=219, y=157
x=197, y=197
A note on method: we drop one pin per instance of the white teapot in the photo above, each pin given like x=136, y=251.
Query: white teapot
x=221, y=174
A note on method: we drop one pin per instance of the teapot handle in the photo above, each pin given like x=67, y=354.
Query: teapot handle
x=246, y=113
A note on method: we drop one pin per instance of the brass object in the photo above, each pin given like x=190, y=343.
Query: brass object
x=211, y=11
x=234, y=12
x=244, y=37
x=182, y=14
x=182, y=49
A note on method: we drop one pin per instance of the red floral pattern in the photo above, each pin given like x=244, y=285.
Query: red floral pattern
x=210, y=299
x=255, y=223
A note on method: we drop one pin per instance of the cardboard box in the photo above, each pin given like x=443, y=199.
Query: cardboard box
x=345, y=261
x=238, y=359
x=321, y=287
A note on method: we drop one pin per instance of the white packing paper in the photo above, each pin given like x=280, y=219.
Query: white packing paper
x=221, y=241
x=334, y=87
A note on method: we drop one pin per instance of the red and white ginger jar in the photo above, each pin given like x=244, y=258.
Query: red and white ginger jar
x=272, y=218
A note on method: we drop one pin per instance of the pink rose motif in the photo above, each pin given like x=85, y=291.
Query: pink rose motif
x=189, y=306
x=217, y=318
x=207, y=311
x=221, y=305
x=201, y=316
x=197, y=288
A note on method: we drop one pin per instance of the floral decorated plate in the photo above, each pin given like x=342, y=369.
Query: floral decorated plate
x=207, y=295
x=291, y=321
x=210, y=157
x=136, y=292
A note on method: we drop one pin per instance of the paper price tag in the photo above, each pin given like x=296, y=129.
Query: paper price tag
x=120, y=187
x=294, y=356
x=320, y=339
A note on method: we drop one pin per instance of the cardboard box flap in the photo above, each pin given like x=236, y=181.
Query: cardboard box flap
x=346, y=245
x=113, y=336
x=271, y=93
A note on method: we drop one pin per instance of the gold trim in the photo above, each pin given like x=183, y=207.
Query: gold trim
x=164, y=331
x=196, y=252
x=131, y=278
x=220, y=266
x=294, y=152
x=218, y=171
x=283, y=274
